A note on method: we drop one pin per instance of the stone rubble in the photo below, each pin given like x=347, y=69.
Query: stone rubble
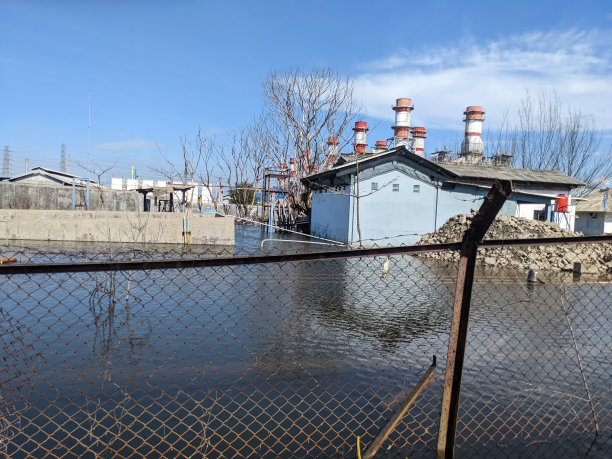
x=597, y=257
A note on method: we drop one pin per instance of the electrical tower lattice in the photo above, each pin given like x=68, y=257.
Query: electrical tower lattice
x=6, y=169
x=63, y=159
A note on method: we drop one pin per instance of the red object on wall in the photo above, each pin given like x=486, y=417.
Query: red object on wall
x=561, y=203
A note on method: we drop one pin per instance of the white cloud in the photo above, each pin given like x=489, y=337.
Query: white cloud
x=495, y=74
x=135, y=143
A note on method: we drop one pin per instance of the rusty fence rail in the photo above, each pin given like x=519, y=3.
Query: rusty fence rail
x=296, y=355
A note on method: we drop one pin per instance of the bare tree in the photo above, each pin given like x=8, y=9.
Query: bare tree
x=97, y=170
x=236, y=168
x=307, y=107
x=547, y=135
x=200, y=150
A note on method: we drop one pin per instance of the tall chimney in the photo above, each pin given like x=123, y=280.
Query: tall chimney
x=332, y=152
x=419, y=134
x=381, y=145
x=361, y=127
x=472, y=142
x=401, y=129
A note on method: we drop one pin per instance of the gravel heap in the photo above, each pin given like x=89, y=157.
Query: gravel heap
x=595, y=257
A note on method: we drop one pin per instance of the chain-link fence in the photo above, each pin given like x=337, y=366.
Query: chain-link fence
x=163, y=354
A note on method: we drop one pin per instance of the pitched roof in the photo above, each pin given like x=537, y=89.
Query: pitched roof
x=599, y=201
x=57, y=176
x=455, y=172
x=54, y=172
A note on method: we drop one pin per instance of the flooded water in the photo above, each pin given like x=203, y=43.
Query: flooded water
x=297, y=359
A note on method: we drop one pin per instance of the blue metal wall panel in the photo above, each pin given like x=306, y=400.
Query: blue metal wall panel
x=330, y=214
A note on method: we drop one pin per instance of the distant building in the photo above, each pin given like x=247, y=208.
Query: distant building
x=594, y=214
x=44, y=176
x=159, y=192
x=403, y=195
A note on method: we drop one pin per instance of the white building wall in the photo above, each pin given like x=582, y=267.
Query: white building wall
x=117, y=183
x=608, y=224
x=527, y=210
x=206, y=195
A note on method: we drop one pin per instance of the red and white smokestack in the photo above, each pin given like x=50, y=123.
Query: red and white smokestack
x=472, y=142
x=401, y=129
x=332, y=150
x=292, y=164
x=381, y=145
x=419, y=134
x=361, y=127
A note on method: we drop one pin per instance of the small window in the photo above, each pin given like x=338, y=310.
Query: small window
x=539, y=215
x=396, y=187
x=374, y=186
x=416, y=189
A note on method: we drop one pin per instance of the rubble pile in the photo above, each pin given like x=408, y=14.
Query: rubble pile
x=597, y=257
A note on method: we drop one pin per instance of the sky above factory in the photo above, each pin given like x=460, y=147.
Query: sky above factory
x=157, y=70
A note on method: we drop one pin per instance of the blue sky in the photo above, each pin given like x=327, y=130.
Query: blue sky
x=159, y=69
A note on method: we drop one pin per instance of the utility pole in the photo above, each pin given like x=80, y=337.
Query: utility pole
x=6, y=169
x=89, y=128
x=63, y=159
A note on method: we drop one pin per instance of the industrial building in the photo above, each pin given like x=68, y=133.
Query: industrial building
x=400, y=195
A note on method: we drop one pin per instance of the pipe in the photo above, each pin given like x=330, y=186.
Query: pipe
x=73, y=194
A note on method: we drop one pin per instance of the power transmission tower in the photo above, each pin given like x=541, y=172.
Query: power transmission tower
x=6, y=169
x=63, y=159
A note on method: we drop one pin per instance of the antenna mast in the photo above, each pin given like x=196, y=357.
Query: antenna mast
x=89, y=128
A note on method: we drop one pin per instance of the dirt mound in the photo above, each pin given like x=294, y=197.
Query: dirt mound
x=594, y=257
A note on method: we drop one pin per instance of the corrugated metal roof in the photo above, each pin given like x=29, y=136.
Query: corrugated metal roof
x=469, y=172
x=460, y=172
x=595, y=202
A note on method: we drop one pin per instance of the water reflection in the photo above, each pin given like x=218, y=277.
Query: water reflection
x=317, y=348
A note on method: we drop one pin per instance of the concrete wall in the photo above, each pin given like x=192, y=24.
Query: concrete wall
x=53, y=197
x=124, y=227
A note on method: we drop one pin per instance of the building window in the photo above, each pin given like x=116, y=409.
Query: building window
x=539, y=215
x=374, y=186
x=396, y=187
x=416, y=189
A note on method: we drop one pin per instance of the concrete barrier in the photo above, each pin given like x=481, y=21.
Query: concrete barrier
x=54, y=197
x=122, y=227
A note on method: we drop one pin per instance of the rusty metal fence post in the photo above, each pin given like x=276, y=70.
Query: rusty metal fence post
x=461, y=311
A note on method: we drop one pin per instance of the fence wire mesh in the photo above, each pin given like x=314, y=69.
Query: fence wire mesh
x=296, y=359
